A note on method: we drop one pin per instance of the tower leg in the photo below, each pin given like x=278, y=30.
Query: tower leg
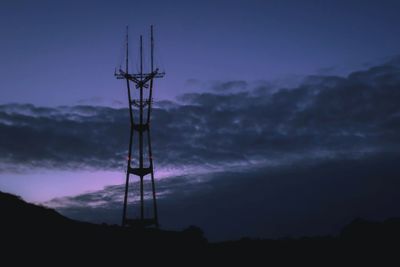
x=125, y=198
x=127, y=177
x=153, y=186
x=141, y=199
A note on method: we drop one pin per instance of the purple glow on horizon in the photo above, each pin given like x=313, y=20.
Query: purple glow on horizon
x=43, y=185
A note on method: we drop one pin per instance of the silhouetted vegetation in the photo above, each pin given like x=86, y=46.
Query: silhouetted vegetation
x=40, y=235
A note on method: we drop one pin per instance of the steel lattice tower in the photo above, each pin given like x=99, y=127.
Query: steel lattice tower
x=142, y=82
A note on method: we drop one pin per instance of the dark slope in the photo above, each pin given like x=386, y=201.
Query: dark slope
x=18, y=213
x=45, y=235
x=41, y=235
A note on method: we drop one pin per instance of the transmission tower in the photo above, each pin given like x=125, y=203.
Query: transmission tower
x=142, y=82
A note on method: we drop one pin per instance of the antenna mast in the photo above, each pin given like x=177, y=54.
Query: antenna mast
x=127, y=50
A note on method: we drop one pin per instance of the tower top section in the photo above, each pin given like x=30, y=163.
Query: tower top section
x=140, y=78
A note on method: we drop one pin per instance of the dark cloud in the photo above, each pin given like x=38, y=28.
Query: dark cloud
x=324, y=115
x=64, y=137
x=327, y=70
x=231, y=85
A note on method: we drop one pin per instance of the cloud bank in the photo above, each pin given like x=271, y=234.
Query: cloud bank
x=325, y=115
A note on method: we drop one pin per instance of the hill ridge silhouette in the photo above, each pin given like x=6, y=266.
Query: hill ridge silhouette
x=46, y=235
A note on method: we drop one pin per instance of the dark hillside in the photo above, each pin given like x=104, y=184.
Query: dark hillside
x=41, y=235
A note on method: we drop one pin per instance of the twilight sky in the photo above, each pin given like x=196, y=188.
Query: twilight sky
x=273, y=115
x=64, y=52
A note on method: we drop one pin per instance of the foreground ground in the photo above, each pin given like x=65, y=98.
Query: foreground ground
x=38, y=235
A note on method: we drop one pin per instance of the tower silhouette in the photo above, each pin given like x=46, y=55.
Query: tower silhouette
x=142, y=82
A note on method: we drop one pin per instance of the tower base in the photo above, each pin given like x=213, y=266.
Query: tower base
x=141, y=223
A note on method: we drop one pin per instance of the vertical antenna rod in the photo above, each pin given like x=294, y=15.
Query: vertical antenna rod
x=127, y=51
x=152, y=47
x=141, y=57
